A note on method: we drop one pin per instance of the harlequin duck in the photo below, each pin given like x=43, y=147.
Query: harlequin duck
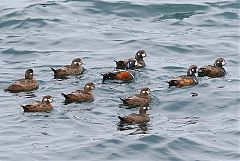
x=214, y=71
x=135, y=118
x=138, y=99
x=24, y=85
x=122, y=75
x=132, y=63
x=39, y=106
x=81, y=95
x=74, y=69
x=185, y=80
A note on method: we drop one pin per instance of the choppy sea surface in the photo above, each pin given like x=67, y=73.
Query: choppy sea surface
x=40, y=34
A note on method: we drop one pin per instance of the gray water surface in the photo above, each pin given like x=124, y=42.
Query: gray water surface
x=41, y=34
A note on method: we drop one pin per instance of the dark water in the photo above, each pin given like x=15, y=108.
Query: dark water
x=42, y=34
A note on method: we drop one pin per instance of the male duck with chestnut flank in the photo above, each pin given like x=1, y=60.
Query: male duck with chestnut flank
x=185, y=80
x=24, y=85
x=74, y=69
x=80, y=95
x=213, y=71
x=132, y=63
x=138, y=99
x=39, y=106
x=134, y=118
x=121, y=75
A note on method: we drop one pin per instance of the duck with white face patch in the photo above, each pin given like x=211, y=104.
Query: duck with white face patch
x=137, y=100
x=69, y=70
x=24, y=85
x=132, y=63
x=134, y=118
x=213, y=71
x=185, y=80
x=39, y=106
x=81, y=95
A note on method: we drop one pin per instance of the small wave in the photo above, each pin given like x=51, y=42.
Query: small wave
x=28, y=23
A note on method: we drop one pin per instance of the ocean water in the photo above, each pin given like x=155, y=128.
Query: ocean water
x=40, y=34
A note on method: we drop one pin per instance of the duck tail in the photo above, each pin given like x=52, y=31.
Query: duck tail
x=121, y=118
x=172, y=83
x=65, y=96
x=54, y=70
x=24, y=108
x=202, y=72
x=104, y=78
x=108, y=76
x=124, y=101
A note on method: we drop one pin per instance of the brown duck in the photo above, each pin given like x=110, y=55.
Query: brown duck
x=134, y=118
x=138, y=99
x=213, y=71
x=185, y=80
x=23, y=85
x=132, y=63
x=81, y=95
x=39, y=106
x=74, y=69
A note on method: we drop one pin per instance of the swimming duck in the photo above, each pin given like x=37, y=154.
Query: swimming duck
x=213, y=71
x=138, y=99
x=24, y=85
x=121, y=75
x=81, y=95
x=39, y=106
x=74, y=69
x=185, y=80
x=132, y=63
x=134, y=118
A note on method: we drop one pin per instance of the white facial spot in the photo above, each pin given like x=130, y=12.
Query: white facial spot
x=88, y=86
x=223, y=63
x=148, y=91
x=45, y=99
x=144, y=55
x=31, y=73
x=146, y=108
x=190, y=72
x=92, y=87
x=143, y=91
x=75, y=63
x=50, y=99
